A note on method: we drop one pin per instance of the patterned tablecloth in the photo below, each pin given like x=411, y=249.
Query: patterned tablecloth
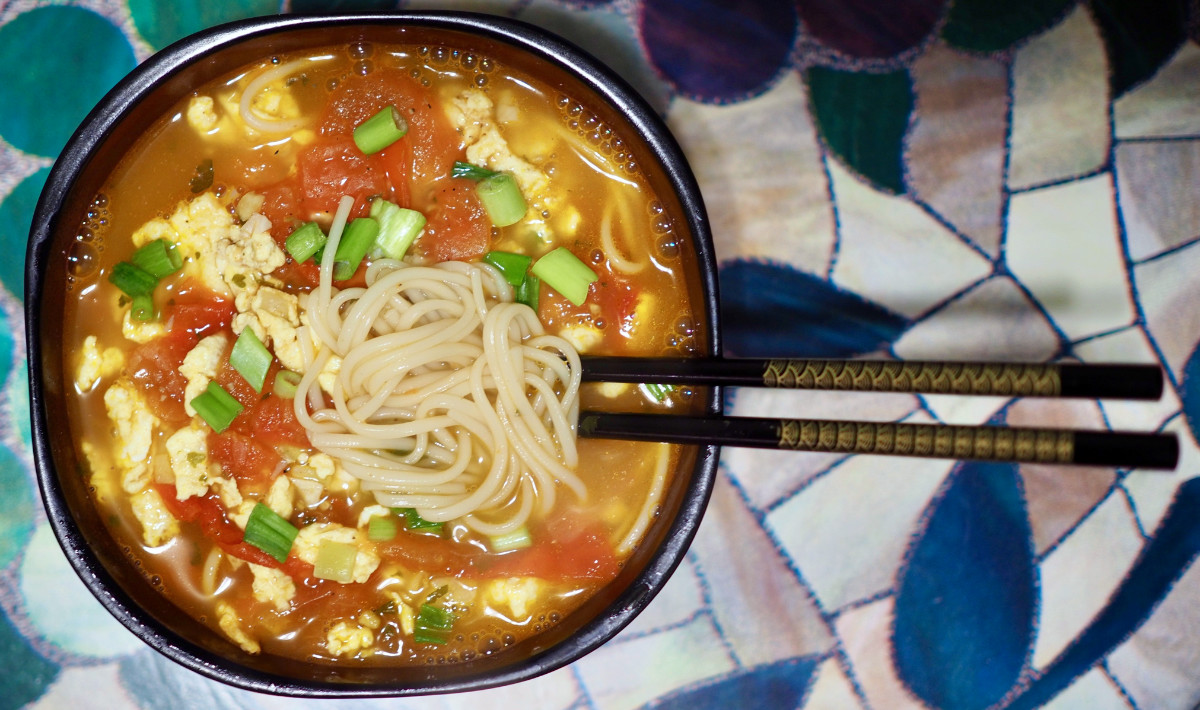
x=930, y=179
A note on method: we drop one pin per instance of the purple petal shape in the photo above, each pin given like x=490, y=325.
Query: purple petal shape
x=718, y=50
x=868, y=28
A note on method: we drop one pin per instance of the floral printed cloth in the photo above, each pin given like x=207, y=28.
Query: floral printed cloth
x=932, y=179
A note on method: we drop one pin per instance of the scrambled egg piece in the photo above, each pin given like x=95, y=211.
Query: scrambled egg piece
x=279, y=497
x=364, y=518
x=517, y=593
x=200, y=365
x=347, y=639
x=228, y=258
x=95, y=364
x=472, y=113
x=228, y=620
x=273, y=586
x=312, y=476
x=188, y=451
x=310, y=537
x=582, y=337
x=227, y=490
x=158, y=525
x=202, y=114
x=136, y=478
x=274, y=316
x=141, y=331
x=133, y=420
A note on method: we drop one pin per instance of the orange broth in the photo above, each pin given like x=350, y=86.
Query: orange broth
x=598, y=201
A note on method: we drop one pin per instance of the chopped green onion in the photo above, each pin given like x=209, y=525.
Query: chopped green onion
x=512, y=266
x=251, y=358
x=399, y=227
x=286, y=383
x=216, y=407
x=305, y=241
x=527, y=292
x=381, y=528
x=565, y=273
x=132, y=280
x=433, y=625
x=141, y=308
x=355, y=243
x=515, y=540
x=413, y=521
x=203, y=179
x=502, y=199
x=267, y=531
x=380, y=130
x=335, y=561
x=658, y=391
x=470, y=171
x=158, y=258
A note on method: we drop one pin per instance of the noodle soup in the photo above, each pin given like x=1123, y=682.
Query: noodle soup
x=373, y=460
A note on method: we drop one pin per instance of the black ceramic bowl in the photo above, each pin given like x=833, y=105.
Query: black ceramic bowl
x=85, y=163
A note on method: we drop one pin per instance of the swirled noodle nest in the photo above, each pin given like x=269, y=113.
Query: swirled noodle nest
x=450, y=398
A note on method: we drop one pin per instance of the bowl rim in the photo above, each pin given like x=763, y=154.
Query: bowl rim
x=75, y=157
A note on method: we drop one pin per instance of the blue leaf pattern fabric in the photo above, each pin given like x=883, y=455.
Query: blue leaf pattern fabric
x=967, y=597
x=776, y=310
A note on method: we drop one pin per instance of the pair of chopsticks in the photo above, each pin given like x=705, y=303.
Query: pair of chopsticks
x=990, y=443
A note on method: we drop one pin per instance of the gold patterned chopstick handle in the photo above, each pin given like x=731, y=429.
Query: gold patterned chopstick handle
x=937, y=441
x=1017, y=380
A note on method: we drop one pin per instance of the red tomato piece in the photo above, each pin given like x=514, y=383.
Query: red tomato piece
x=209, y=515
x=457, y=229
x=433, y=143
x=248, y=460
x=154, y=368
x=329, y=170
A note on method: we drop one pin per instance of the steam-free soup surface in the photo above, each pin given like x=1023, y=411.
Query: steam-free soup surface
x=224, y=179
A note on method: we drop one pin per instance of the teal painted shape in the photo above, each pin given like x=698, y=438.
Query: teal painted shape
x=16, y=217
x=56, y=63
x=16, y=506
x=27, y=674
x=310, y=7
x=1140, y=35
x=161, y=23
x=990, y=26
x=863, y=118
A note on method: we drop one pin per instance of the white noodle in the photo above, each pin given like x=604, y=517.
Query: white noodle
x=450, y=398
x=260, y=82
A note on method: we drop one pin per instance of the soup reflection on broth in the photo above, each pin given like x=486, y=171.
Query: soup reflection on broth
x=327, y=380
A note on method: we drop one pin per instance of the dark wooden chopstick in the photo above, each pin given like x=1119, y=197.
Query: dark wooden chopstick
x=1100, y=381
x=990, y=443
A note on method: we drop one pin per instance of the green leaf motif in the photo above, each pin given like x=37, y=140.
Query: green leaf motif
x=161, y=23
x=1140, y=35
x=990, y=26
x=863, y=118
x=29, y=675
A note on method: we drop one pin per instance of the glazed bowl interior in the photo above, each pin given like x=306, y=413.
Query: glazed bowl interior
x=105, y=564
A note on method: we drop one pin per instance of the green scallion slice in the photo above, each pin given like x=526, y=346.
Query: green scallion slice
x=433, y=625
x=413, y=521
x=512, y=266
x=141, y=308
x=131, y=279
x=305, y=241
x=251, y=358
x=381, y=528
x=216, y=407
x=515, y=540
x=565, y=273
x=502, y=199
x=380, y=130
x=287, y=383
x=335, y=561
x=399, y=227
x=158, y=258
x=267, y=531
x=470, y=171
x=356, y=241
x=527, y=292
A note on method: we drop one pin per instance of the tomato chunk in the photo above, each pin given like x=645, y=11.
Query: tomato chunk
x=248, y=460
x=457, y=229
x=208, y=513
